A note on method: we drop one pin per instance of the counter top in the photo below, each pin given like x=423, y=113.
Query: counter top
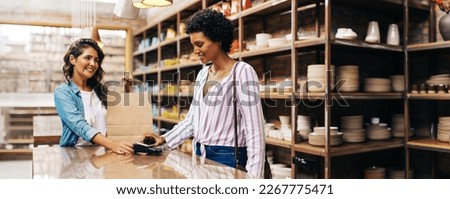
x=95, y=163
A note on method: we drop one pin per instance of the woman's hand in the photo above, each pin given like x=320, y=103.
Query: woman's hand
x=159, y=140
x=122, y=148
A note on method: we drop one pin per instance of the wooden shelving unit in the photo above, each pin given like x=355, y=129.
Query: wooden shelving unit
x=290, y=60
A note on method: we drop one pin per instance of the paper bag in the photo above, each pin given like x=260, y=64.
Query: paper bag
x=129, y=116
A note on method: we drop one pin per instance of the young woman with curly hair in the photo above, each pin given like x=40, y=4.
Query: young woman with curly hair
x=210, y=120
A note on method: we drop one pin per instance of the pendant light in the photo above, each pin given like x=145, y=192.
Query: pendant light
x=140, y=4
x=151, y=3
x=125, y=9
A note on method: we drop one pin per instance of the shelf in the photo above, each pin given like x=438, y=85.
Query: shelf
x=21, y=128
x=427, y=96
x=144, y=50
x=172, y=41
x=168, y=68
x=429, y=46
x=151, y=71
x=278, y=142
x=350, y=96
x=265, y=51
x=175, y=94
x=308, y=43
x=276, y=95
x=366, y=96
x=19, y=119
x=311, y=43
x=15, y=151
x=310, y=96
x=362, y=44
x=30, y=112
x=181, y=66
x=267, y=8
x=350, y=148
x=429, y=144
x=163, y=119
x=20, y=141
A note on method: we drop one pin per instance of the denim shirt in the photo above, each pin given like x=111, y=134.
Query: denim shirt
x=69, y=106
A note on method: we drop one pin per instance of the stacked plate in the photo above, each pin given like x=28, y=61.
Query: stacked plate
x=352, y=128
x=439, y=79
x=321, y=130
x=377, y=85
x=316, y=77
x=378, y=132
x=398, y=173
x=374, y=172
x=317, y=138
x=443, y=131
x=348, y=78
x=304, y=126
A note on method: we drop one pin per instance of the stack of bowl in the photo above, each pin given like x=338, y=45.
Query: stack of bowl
x=375, y=172
x=262, y=39
x=348, y=78
x=317, y=78
x=303, y=126
x=280, y=171
x=398, y=83
x=443, y=131
x=398, y=126
x=317, y=138
x=377, y=85
x=378, y=132
x=398, y=173
x=285, y=128
x=352, y=128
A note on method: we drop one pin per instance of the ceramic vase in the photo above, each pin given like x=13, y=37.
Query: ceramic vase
x=444, y=27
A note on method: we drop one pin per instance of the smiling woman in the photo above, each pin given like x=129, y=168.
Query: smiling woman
x=226, y=122
x=81, y=100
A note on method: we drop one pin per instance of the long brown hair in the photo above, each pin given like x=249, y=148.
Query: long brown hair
x=95, y=82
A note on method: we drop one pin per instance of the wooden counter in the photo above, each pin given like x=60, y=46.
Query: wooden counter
x=95, y=163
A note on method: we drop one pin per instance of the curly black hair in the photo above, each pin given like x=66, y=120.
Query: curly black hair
x=214, y=25
x=76, y=49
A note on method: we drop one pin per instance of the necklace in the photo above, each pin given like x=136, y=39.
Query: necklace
x=212, y=72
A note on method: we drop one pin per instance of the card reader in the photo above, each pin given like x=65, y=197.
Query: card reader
x=146, y=149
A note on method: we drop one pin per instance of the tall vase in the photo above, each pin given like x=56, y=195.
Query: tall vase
x=444, y=27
